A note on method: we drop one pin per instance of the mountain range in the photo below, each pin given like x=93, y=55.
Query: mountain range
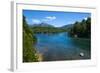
x=42, y=25
x=48, y=25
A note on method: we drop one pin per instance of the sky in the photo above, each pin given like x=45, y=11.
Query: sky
x=54, y=18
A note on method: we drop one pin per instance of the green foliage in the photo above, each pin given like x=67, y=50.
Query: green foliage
x=82, y=29
x=47, y=30
x=29, y=53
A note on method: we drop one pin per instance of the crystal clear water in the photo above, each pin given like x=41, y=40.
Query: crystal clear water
x=60, y=46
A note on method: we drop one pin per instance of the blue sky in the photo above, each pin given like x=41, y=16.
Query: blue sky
x=54, y=18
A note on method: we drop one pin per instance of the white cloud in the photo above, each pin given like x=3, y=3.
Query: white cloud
x=51, y=17
x=45, y=20
x=36, y=21
x=48, y=18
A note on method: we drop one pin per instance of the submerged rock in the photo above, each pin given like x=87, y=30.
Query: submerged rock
x=81, y=54
x=75, y=36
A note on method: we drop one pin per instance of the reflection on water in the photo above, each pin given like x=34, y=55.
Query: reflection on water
x=62, y=47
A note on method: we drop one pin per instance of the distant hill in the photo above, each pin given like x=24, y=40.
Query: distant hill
x=49, y=25
x=48, y=28
x=68, y=26
x=42, y=25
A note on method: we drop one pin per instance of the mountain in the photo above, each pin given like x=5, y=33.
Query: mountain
x=42, y=25
x=67, y=26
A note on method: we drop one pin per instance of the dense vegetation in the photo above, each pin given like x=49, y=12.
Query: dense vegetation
x=29, y=53
x=47, y=30
x=81, y=29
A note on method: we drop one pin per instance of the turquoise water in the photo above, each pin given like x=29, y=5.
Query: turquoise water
x=60, y=46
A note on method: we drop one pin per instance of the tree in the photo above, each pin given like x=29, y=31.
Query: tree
x=29, y=53
x=81, y=29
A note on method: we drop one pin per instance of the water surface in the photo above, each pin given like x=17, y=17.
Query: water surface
x=60, y=46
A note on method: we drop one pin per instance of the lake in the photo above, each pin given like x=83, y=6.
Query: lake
x=60, y=46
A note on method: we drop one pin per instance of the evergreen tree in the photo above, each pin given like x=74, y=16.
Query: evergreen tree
x=81, y=29
x=29, y=53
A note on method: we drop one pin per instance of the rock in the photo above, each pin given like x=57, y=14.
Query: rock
x=75, y=36
x=81, y=54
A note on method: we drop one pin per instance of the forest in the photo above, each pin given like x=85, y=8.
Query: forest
x=81, y=29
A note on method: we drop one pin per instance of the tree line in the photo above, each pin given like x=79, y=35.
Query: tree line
x=47, y=30
x=81, y=29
